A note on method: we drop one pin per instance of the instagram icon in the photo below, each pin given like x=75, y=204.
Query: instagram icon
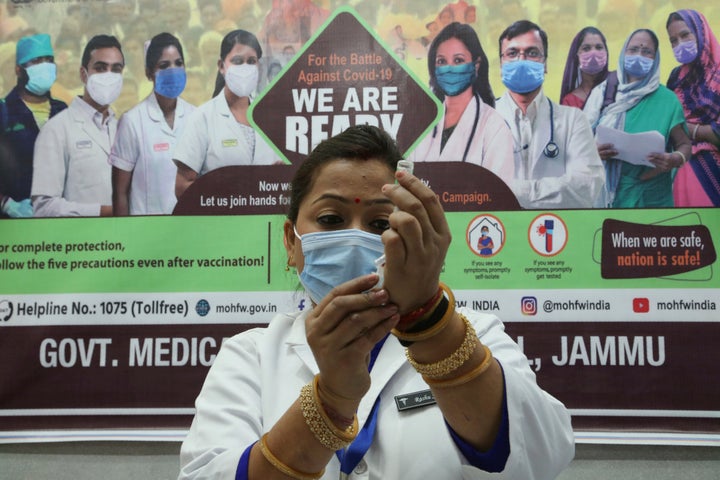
x=528, y=305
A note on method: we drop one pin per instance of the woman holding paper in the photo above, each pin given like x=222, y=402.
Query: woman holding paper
x=641, y=105
x=697, y=84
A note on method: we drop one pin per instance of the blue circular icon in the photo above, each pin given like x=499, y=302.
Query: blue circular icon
x=202, y=307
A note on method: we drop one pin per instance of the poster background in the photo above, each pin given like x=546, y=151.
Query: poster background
x=264, y=287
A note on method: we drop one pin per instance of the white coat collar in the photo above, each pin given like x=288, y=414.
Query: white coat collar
x=156, y=114
x=390, y=359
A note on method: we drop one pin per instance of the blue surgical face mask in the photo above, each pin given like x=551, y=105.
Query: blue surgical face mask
x=41, y=77
x=638, y=65
x=686, y=52
x=170, y=82
x=455, y=79
x=332, y=258
x=523, y=76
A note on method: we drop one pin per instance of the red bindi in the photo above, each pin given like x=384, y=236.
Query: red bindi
x=357, y=200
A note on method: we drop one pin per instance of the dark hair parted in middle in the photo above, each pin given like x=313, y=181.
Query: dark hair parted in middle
x=521, y=27
x=236, y=37
x=467, y=35
x=155, y=50
x=360, y=142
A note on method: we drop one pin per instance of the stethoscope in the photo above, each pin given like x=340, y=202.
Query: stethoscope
x=551, y=149
x=472, y=132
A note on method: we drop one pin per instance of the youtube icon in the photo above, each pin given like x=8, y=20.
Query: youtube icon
x=641, y=305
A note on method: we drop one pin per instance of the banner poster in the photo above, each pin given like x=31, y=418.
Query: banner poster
x=108, y=325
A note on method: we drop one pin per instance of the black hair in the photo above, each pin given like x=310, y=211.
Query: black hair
x=520, y=27
x=157, y=45
x=100, y=41
x=673, y=17
x=359, y=142
x=653, y=37
x=236, y=37
x=467, y=35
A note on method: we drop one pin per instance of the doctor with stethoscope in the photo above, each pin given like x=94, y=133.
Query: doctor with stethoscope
x=556, y=160
x=470, y=130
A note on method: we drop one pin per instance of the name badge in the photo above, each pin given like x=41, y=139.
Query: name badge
x=161, y=147
x=83, y=144
x=408, y=401
x=230, y=143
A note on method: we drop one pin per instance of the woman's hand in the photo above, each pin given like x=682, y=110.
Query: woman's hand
x=415, y=244
x=342, y=330
x=607, y=151
x=665, y=161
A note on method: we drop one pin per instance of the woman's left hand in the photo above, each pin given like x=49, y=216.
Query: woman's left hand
x=415, y=244
x=665, y=161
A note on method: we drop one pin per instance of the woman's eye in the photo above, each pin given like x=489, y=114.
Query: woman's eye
x=381, y=224
x=330, y=220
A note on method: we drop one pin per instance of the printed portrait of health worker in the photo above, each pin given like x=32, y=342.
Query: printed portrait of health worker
x=470, y=130
x=556, y=161
x=143, y=174
x=218, y=133
x=23, y=112
x=71, y=173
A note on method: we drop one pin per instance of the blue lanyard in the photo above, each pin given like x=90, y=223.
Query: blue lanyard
x=350, y=457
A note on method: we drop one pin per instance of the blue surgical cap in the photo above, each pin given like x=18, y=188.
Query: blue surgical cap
x=33, y=46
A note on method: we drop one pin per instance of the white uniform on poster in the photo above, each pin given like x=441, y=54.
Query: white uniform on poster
x=144, y=146
x=258, y=374
x=71, y=172
x=573, y=178
x=214, y=139
x=481, y=136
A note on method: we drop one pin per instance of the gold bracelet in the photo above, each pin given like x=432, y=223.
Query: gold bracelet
x=350, y=431
x=435, y=329
x=694, y=134
x=465, y=378
x=684, y=160
x=284, y=468
x=451, y=363
x=320, y=425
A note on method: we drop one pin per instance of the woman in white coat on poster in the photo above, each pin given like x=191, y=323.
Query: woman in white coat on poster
x=330, y=392
x=143, y=174
x=470, y=130
x=219, y=133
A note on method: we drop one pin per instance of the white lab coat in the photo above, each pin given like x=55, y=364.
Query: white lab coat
x=144, y=146
x=490, y=141
x=214, y=139
x=71, y=172
x=574, y=178
x=258, y=374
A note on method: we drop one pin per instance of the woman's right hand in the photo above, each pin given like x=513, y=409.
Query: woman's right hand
x=607, y=151
x=342, y=330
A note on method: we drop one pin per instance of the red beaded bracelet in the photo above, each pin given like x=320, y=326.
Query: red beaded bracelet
x=426, y=308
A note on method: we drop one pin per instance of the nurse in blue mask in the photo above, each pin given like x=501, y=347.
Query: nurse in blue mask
x=641, y=105
x=470, y=129
x=556, y=161
x=22, y=113
x=372, y=381
x=143, y=171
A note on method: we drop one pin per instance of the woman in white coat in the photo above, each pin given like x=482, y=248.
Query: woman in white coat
x=470, y=130
x=219, y=133
x=328, y=393
x=143, y=173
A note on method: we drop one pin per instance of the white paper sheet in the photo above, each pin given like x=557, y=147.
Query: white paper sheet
x=632, y=147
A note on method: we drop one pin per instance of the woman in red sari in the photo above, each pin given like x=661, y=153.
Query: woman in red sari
x=697, y=84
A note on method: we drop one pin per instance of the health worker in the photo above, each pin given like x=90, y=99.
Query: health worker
x=218, y=133
x=143, y=174
x=470, y=129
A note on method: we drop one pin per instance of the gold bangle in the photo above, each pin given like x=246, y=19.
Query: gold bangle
x=284, y=468
x=329, y=394
x=465, y=378
x=435, y=329
x=350, y=432
x=320, y=425
x=684, y=160
x=454, y=361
